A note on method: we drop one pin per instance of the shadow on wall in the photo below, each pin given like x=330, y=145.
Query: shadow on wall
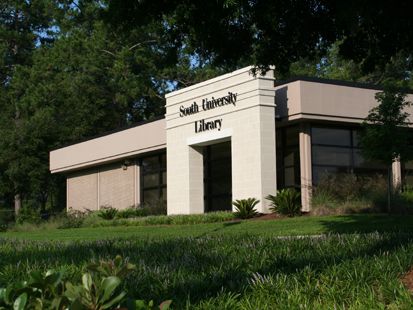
x=281, y=102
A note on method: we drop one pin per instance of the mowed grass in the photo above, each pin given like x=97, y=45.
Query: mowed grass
x=281, y=227
x=238, y=265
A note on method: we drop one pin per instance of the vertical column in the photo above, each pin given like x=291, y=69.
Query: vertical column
x=397, y=174
x=137, y=176
x=196, y=179
x=305, y=166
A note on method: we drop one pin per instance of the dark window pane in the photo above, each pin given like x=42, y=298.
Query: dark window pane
x=151, y=180
x=163, y=161
x=356, y=138
x=331, y=136
x=334, y=156
x=220, y=204
x=220, y=150
x=289, y=176
x=150, y=195
x=150, y=163
x=163, y=195
x=164, y=177
x=360, y=162
x=289, y=158
x=220, y=186
x=291, y=136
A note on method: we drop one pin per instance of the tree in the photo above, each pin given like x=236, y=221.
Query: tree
x=385, y=136
x=238, y=32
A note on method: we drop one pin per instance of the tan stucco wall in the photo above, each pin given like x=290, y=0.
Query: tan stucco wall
x=249, y=125
x=327, y=102
x=112, y=147
x=108, y=185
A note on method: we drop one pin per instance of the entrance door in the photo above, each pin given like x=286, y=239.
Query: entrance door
x=217, y=177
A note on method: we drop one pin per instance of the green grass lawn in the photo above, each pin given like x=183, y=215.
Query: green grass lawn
x=281, y=227
x=237, y=265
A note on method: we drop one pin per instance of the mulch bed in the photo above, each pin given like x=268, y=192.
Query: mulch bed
x=408, y=280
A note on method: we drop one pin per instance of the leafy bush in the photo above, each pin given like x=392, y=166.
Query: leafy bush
x=286, y=202
x=157, y=207
x=211, y=217
x=100, y=289
x=28, y=215
x=72, y=218
x=245, y=208
x=129, y=213
x=107, y=213
x=345, y=193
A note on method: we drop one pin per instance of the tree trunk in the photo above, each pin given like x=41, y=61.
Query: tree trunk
x=389, y=188
x=17, y=204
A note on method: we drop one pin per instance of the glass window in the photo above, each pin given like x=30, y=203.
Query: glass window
x=150, y=195
x=150, y=163
x=153, y=178
x=331, y=156
x=289, y=176
x=331, y=136
x=335, y=150
x=289, y=158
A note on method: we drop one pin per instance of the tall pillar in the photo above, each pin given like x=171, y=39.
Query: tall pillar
x=397, y=174
x=305, y=166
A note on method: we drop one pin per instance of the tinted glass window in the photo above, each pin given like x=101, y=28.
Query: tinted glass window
x=332, y=156
x=331, y=136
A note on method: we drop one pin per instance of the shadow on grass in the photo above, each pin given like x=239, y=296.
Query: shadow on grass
x=381, y=223
x=197, y=268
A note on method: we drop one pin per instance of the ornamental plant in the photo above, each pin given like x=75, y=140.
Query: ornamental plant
x=107, y=213
x=286, y=202
x=100, y=288
x=245, y=208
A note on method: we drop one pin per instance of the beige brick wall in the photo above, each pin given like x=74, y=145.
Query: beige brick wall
x=117, y=186
x=82, y=190
x=108, y=185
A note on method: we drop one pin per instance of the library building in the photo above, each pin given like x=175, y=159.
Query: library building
x=232, y=137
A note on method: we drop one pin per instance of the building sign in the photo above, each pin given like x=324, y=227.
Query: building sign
x=203, y=125
x=206, y=105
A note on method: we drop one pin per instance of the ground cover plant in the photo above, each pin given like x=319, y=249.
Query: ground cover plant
x=349, y=193
x=244, y=265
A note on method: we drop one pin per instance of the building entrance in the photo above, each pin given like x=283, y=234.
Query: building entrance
x=217, y=177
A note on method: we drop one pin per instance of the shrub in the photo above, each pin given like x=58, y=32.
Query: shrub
x=349, y=193
x=28, y=215
x=286, y=202
x=72, y=218
x=107, y=213
x=100, y=289
x=127, y=213
x=245, y=208
x=157, y=207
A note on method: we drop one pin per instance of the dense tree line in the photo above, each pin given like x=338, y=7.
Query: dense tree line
x=71, y=69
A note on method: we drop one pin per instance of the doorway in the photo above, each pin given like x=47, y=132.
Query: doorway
x=218, y=177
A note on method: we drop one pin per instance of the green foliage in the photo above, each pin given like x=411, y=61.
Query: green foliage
x=387, y=124
x=286, y=202
x=238, y=266
x=100, y=288
x=190, y=219
x=107, y=212
x=245, y=208
x=72, y=218
x=28, y=215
